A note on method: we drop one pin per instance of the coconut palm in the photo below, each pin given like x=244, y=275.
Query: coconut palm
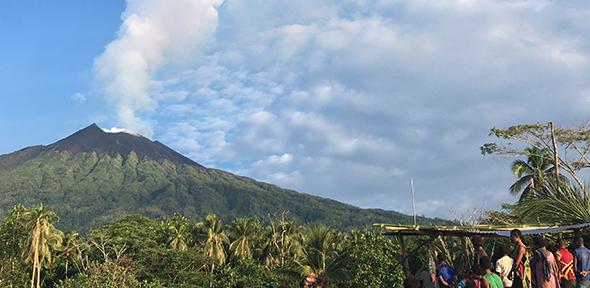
x=531, y=173
x=177, y=231
x=320, y=250
x=556, y=204
x=215, y=238
x=42, y=241
x=246, y=232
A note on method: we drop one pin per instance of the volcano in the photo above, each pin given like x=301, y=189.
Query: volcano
x=94, y=177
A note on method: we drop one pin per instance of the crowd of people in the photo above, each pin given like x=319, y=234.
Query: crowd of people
x=563, y=265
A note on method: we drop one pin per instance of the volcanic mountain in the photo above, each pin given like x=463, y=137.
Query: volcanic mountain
x=93, y=177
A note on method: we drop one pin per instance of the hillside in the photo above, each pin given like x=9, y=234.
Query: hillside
x=93, y=177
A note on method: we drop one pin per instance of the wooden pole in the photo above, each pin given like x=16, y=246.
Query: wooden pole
x=555, y=156
x=405, y=263
x=413, y=201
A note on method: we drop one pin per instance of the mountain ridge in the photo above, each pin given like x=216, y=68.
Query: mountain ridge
x=93, y=177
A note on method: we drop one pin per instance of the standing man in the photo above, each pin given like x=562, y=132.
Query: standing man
x=545, y=266
x=565, y=259
x=582, y=264
x=504, y=266
x=445, y=274
x=518, y=267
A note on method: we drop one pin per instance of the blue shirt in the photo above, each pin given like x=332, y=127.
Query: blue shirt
x=583, y=262
x=447, y=273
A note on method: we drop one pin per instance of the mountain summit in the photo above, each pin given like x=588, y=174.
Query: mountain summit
x=94, y=177
x=94, y=139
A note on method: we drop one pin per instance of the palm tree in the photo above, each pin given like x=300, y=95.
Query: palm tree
x=245, y=231
x=283, y=243
x=531, y=173
x=43, y=239
x=320, y=250
x=215, y=238
x=177, y=230
x=556, y=204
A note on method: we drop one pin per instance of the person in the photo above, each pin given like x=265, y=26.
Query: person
x=546, y=271
x=476, y=281
x=309, y=281
x=445, y=274
x=504, y=266
x=565, y=260
x=582, y=264
x=479, y=252
x=486, y=265
x=241, y=284
x=425, y=277
x=520, y=261
x=411, y=282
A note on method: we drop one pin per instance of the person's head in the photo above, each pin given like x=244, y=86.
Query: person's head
x=580, y=241
x=485, y=262
x=502, y=250
x=539, y=241
x=516, y=236
x=561, y=243
x=441, y=258
x=477, y=241
x=311, y=278
x=241, y=284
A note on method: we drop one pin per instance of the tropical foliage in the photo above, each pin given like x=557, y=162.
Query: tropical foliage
x=142, y=252
x=547, y=195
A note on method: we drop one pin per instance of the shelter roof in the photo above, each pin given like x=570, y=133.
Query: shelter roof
x=481, y=230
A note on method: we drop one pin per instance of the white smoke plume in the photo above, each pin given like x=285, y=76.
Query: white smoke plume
x=154, y=33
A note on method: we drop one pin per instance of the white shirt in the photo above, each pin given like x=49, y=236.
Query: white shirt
x=503, y=267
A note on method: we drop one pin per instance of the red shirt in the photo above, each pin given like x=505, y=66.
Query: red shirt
x=566, y=264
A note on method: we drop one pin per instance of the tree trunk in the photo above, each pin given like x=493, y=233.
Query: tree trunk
x=38, y=275
x=66, y=272
x=35, y=242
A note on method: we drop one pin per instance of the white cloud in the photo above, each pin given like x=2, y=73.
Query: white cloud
x=153, y=34
x=349, y=100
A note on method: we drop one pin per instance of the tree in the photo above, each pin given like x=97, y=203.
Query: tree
x=321, y=251
x=73, y=251
x=214, y=239
x=570, y=147
x=245, y=232
x=561, y=204
x=42, y=241
x=531, y=173
x=283, y=242
x=177, y=232
x=369, y=260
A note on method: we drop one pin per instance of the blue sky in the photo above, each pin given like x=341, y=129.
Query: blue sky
x=346, y=99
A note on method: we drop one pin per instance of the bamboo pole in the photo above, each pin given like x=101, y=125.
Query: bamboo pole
x=555, y=156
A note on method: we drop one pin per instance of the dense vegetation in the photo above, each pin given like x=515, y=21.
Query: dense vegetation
x=137, y=251
x=90, y=189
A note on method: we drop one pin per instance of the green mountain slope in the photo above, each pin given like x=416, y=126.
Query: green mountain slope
x=91, y=188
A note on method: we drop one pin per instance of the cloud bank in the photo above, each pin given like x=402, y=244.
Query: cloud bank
x=153, y=34
x=348, y=100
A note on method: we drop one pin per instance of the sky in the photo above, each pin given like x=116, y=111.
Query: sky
x=346, y=99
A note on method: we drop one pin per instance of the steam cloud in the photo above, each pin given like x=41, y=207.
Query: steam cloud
x=153, y=34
